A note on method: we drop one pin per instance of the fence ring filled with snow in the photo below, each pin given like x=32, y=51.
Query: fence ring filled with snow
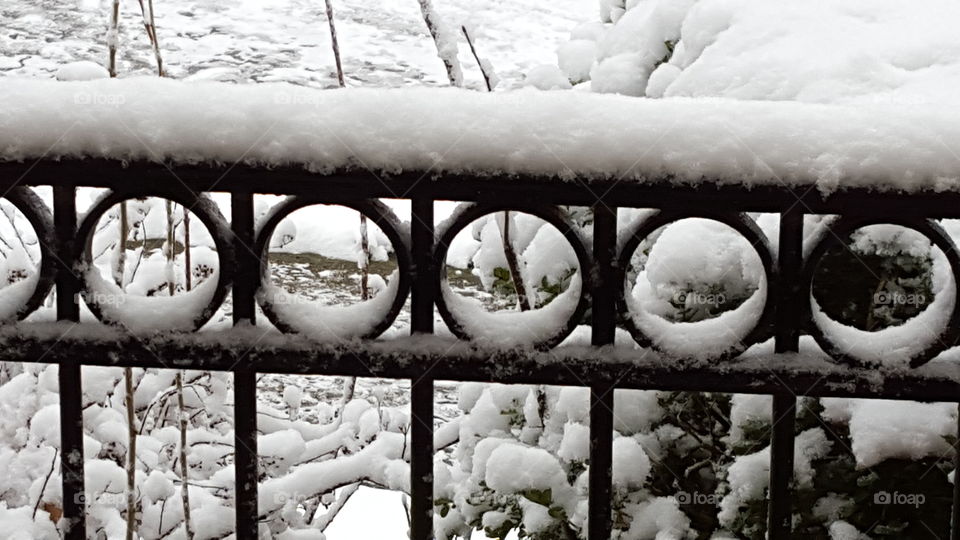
x=716, y=339
x=21, y=298
x=916, y=341
x=293, y=313
x=185, y=312
x=540, y=328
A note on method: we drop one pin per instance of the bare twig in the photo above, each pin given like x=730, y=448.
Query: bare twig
x=324, y=521
x=9, y=213
x=364, y=260
x=445, y=42
x=113, y=36
x=53, y=466
x=171, y=254
x=131, y=454
x=187, y=265
x=364, y=240
x=334, y=43
x=514, y=265
x=120, y=269
x=184, y=478
x=151, y=28
x=488, y=75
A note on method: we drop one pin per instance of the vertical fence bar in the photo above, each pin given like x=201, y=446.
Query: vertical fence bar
x=955, y=513
x=421, y=389
x=71, y=390
x=601, y=395
x=787, y=331
x=244, y=378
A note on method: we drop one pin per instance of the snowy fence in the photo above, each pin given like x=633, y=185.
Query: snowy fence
x=784, y=373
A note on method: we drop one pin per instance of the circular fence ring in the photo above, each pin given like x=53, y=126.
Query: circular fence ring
x=466, y=214
x=837, y=232
x=31, y=292
x=380, y=215
x=757, y=330
x=173, y=313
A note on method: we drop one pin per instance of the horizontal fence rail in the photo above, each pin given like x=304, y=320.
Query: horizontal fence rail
x=783, y=371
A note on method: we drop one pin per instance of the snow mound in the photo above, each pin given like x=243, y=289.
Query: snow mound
x=562, y=134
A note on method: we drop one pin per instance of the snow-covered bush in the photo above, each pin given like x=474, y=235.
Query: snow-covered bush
x=522, y=463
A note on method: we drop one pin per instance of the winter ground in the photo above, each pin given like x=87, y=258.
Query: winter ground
x=384, y=44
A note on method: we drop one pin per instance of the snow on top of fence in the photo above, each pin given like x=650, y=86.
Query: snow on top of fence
x=445, y=130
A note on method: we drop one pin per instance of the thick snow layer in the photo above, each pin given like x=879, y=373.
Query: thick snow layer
x=861, y=51
x=886, y=146
x=881, y=430
x=332, y=323
x=146, y=314
x=512, y=328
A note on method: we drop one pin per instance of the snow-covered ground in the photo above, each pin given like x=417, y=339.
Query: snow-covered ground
x=383, y=44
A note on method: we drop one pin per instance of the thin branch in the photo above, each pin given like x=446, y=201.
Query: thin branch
x=53, y=466
x=445, y=42
x=514, y=265
x=151, y=28
x=335, y=508
x=489, y=78
x=334, y=43
x=131, y=454
x=184, y=478
x=113, y=36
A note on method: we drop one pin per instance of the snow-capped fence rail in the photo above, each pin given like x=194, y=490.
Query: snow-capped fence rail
x=897, y=370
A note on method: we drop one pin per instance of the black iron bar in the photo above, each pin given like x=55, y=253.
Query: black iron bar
x=69, y=374
x=787, y=336
x=421, y=388
x=244, y=374
x=601, y=395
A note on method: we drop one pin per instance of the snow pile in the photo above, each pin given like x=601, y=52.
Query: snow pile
x=332, y=323
x=695, y=267
x=881, y=430
x=449, y=130
x=522, y=465
x=749, y=475
x=824, y=51
x=858, y=51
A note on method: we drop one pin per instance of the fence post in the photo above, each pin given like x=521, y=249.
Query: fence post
x=601, y=395
x=421, y=388
x=787, y=330
x=244, y=378
x=69, y=372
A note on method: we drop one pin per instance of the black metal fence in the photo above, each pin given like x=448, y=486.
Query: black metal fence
x=786, y=315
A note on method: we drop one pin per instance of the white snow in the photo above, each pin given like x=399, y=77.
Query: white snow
x=82, y=71
x=882, y=146
x=513, y=328
x=317, y=320
x=749, y=475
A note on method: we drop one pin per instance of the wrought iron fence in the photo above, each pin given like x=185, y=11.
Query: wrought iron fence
x=64, y=235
